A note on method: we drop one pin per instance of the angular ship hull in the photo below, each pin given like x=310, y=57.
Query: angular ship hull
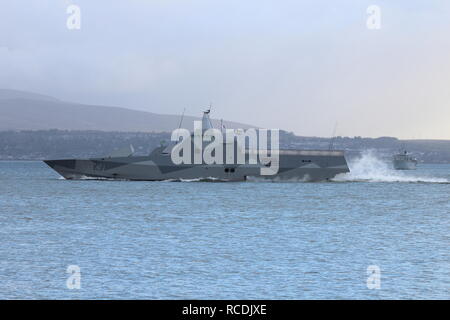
x=306, y=165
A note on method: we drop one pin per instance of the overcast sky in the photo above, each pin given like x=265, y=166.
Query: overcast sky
x=297, y=65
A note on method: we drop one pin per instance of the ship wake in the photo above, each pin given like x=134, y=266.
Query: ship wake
x=369, y=168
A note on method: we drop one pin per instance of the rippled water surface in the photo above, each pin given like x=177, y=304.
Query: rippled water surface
x=247, y=240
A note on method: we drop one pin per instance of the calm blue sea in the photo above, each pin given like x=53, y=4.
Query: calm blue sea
x=211, y=240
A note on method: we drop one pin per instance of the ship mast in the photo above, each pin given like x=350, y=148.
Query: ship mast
x=206, y=121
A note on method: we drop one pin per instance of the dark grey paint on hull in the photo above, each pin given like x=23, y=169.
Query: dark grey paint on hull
x=293, y=165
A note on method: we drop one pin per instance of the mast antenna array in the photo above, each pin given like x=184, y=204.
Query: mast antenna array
x=181, y=122
x=331, y=146
x=182, y=117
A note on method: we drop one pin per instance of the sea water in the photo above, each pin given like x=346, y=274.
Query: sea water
x=235, y=240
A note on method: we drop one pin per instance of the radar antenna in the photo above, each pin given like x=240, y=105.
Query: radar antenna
x=209, y=108
x=206, y=115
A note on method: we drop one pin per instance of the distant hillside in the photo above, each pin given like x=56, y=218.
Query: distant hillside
x=17, y=94
x=56, y=144
x=28, y=120
x=21, y=110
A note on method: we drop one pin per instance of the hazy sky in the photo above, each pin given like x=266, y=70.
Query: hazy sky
x=296, y=65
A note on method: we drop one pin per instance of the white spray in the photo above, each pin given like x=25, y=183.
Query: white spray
x=368, y=167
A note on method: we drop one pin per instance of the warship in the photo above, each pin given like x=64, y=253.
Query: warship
x=303, y=165
x=404, y=161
